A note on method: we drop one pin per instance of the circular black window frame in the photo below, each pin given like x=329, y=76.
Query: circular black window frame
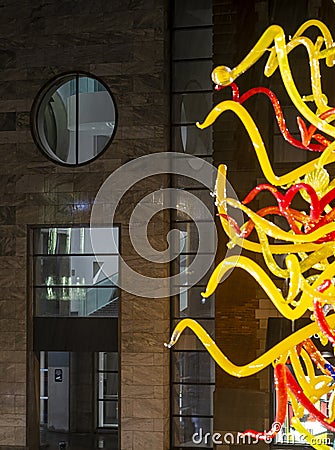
x=39, y=100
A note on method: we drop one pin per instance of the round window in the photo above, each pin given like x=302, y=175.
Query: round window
x=74, y=119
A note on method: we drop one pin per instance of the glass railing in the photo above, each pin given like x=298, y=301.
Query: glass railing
x=59, y=298
x=96, y=299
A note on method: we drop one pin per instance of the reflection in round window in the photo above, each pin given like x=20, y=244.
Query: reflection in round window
x=74, y=119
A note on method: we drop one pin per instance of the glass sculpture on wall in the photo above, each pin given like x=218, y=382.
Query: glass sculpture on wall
x=302, y=374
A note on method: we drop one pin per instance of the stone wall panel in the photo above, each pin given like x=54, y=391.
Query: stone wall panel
x=123, y=43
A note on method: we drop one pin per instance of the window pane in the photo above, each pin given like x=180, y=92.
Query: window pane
x=183, y=182
x=108, y=413
x=108, y=361
x=193, y=400
x=76, y=270
x=51, y=241
x=192, y=43
x=76, y=301
x=190, y=139
x=109, y=386
x=188, y=239
x=102, y=240
x=52, y=124
x=184, y=429
x=190, y=303
x=192, y=367
x=96, y=118
x=187, y=206
x=192, y=12
x=187, y=275
x=191, y=108
x=192, y=76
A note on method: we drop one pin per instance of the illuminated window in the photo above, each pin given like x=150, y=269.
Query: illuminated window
x=74, y=119
x=70, y=277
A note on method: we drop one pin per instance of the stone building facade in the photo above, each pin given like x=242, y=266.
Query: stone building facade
x=127, y=45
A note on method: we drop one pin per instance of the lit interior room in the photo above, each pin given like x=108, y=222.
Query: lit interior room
x=167, y=224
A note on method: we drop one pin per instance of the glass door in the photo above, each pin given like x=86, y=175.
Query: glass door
x=108, y=382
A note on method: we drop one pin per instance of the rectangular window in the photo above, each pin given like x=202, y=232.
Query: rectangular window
x=108, y=383
x=71, y=278
x=192, y=370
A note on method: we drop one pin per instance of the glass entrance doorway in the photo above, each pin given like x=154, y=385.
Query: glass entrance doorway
x=74, y=338
x=79, y=400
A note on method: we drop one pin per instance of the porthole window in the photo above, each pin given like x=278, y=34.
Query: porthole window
x=74, y=119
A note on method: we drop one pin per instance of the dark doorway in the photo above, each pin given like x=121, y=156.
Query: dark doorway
x=78, y=400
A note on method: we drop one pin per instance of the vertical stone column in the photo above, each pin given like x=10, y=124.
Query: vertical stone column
x=144, y=327
x=145, y=322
